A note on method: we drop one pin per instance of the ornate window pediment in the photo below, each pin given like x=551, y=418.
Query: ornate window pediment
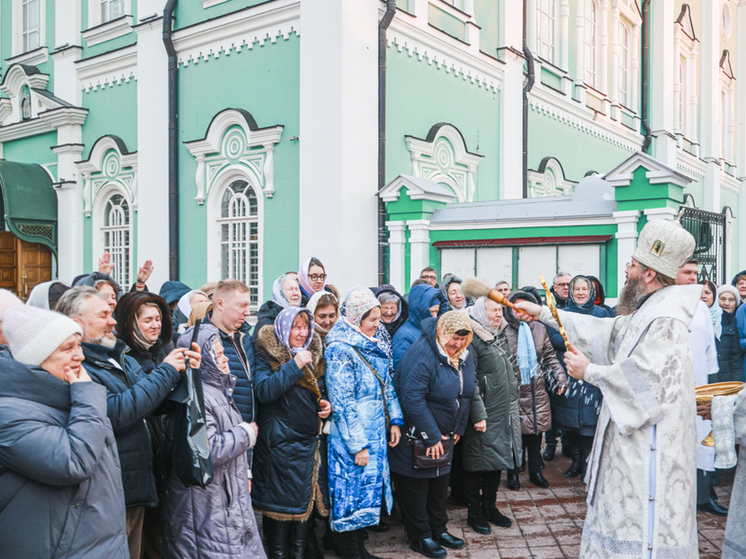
x=549, y=180
x=235, y=141
x=109, y=164
x=443, y=158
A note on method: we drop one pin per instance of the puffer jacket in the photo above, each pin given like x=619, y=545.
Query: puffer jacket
x=60, y=484
x=496, y=400
x=421, y=298
x=536, y=413
x=290, y=475
x=266, y=316
x=429, y=387
x=132, y=396
x=730, y=355
x=239, y=350
x=578, y=408
x=216, y=522
x=358, y=423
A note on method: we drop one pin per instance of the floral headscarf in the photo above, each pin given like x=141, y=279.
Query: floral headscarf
x=284, y=323
x=448, y=324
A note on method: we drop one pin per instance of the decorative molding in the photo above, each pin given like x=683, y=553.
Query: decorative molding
x=30, y=58
x=109, y=163
x=108, y=31
x=549, y=180
x=245, y=28
x=657, y=172
x=211, y=3
x=417, y=189
x=17, y=76
x=444, y=159
x=234, y=140
x=108, y=69
x=24, y=129
x=528, y=223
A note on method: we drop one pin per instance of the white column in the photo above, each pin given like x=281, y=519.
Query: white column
x=579, y=89
x=339, y=137
x=614, y=92
x=656, y=214
x=397, y=263
x=511, y=100
x=635, y=69
x=69, y=210
x=710, y=115
x=603, y=52
x=678, y=89
x=66, y=24
x=692, y=122
x=661, y=80
x=419, y=243
x=740, y=150
x=564, y=44
x=626, y=236
x=152, y=152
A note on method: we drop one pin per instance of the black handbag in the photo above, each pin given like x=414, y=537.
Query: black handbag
x=422, y=461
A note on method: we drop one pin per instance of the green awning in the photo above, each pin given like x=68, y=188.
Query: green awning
x=29, y=203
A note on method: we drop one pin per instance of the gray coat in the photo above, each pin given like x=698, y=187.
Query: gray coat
x=60, y=485
x=216, y=522
x=496, y=400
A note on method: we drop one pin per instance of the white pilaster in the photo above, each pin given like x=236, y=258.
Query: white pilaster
x=66, y=84
x=152, y=151
x=397, y=263
x=603, y=42
x=710, y=82
x=579, y=89
x=511, y=100
x=656, y=214
x=740, y=152
x=419, y=243
x=66, y=24
x=339, y=137
x=69, y=211
x=661, y=80
x=564, y=36
x=711, y=200
x=530, y=21
x=634, y=77
x=626, y=236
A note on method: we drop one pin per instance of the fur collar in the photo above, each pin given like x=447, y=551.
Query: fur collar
x=277, y=355
x=481, y=331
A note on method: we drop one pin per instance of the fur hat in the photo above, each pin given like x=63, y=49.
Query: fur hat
x=34, y=334
x=664, y=246
x=7, y=300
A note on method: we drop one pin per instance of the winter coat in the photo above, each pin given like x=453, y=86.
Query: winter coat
x=421, y=298
x=403, y=309
x=428, y=387
x=172, y=291
x=216, y=522
x=240, y=353
x=578, y=408
x=496, y=400
x=266, y=316
x=730, y=355
x=560, y=301
x=741, y=324
x=60, y=484
x=132, y=396
x=358, y=422
x=289, y=471
x=536, y=414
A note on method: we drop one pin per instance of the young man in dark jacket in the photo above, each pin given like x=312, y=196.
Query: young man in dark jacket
x=131, y=397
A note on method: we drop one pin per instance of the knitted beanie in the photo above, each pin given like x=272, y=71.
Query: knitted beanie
x=7, y=300
x=34, y=334
x=358, y=303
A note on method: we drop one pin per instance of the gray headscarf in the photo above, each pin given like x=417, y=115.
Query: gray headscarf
x=478, y=312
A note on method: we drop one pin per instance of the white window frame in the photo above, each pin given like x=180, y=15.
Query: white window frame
x=122, y=274
x=19, y=33
x=95, y=16
x=591, y=44
x=686, y=47
x=727, y=118
x=548, y=47
x=106, y=8
x=624, y=74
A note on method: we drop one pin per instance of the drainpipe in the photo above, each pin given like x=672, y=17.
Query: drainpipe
x=173, y=139
x=645, y=72
x=383, y=25
x=526, y=88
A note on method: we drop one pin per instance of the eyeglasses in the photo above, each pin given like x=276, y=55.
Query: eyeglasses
x=317, y=277
x=631, y=265
x=562, y=284
x=429, y=277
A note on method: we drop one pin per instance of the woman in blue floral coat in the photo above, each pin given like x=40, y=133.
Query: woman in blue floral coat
x=363, y=398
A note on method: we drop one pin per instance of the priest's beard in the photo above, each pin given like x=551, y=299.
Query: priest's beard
x=632, y=294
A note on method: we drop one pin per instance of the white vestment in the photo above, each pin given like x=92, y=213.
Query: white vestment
x=641, y=473
x=705, y=363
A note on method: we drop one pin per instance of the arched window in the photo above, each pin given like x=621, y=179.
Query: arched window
x=624, y=64
x=239, y=236
x=590, y=42
x=546, y=31
x=117, y=239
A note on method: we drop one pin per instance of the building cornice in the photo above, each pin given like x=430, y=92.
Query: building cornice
x=107, y=31
x=107, y=69
x=521, y=223
x=31, y=58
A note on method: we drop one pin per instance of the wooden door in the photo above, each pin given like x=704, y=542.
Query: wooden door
x=22, y=264
x=8, y=261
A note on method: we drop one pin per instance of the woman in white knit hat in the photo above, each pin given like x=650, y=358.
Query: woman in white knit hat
x=60, y=482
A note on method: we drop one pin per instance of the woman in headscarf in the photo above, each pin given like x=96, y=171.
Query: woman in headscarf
x=394, y=309
x=535, y=365
x=312, y=279
x=285, y=294
x=289, y=466
x=730, y=354
x=451, y=287
x=325, y=309
x=435, y=384
x=492, y=441
x=217, y=521
x=364, y=402
x=46, y=295
x=184, y=308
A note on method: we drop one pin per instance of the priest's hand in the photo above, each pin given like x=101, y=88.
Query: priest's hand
x=529, y=310
x=576, y=363
x=705, y=410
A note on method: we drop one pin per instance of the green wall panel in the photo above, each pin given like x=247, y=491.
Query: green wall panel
x=32, y=150
x=189, y=12
x=486, y=15
x=112, y=110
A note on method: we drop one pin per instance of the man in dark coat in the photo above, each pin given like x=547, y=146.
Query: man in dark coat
x=132, y=396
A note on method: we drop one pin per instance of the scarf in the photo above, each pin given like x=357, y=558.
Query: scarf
x=716, y=313
x=277, y=295
x=303, y=280
x=284, y=323
x=479, y=313
x=185, y=303
x=143, y=344
x=526, y=352
x=447, y=325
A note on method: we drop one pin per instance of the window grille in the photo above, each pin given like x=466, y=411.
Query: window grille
x=546, y=32
x=31, y=29
x=117, y=239
x=111, y=10
x=624, y=65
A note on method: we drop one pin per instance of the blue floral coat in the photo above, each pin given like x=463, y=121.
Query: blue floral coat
x=358, y=422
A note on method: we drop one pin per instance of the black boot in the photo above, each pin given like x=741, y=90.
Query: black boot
x=513, y=481
x=312, y=544
x=329, y=542
x=585, y=452
x=299, y=539
x=347, y=544
x=475, y=518
x=549, y=452
x=277, y=538
x=576, y=467
x=362, y=552
x=490, y=483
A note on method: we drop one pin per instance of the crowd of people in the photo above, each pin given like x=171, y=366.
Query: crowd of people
x=319, y=418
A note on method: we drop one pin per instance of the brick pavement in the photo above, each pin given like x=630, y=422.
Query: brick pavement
x=547, y=523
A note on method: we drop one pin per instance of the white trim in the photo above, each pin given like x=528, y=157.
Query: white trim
x=31, y=58
x=626, y=236
x=656, y=214
x=523, y=223
x=245, y=28
x=211, y=3
x=17, y=32
x=94, y=13
x=419, y=244
x=539, y=184
x=96, y=177
x=48, y=121
x=657, y=172
x=108, y=69
x=108, y=31
x=106, y=191
x=397, y=258
x=392, y=191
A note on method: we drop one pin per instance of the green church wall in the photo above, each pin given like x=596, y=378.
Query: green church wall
x=111, y=111
x=34, y=149
x=486, y=14
x=192, y=12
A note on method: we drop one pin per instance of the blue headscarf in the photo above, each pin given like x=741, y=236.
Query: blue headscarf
x=284, y=323
x=277, y=295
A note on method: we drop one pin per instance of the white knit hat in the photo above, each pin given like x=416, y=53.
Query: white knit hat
x=34, y=334
x=664, y=246
x=7, y=300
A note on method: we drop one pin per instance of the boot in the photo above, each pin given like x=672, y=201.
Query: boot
x=329, y=542
x=475, y=518
x=514, y=483
x=312, y=544
x=347, y=544
x=490, y=483
x=276, y=538
x=549, y=452
x=576, y=467
x=299, y=539
x=362, y=552
x=585, y=452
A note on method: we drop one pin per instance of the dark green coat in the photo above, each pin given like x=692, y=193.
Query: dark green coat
x=496, y=399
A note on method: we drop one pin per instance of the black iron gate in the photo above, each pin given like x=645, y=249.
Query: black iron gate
x=708, y=229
